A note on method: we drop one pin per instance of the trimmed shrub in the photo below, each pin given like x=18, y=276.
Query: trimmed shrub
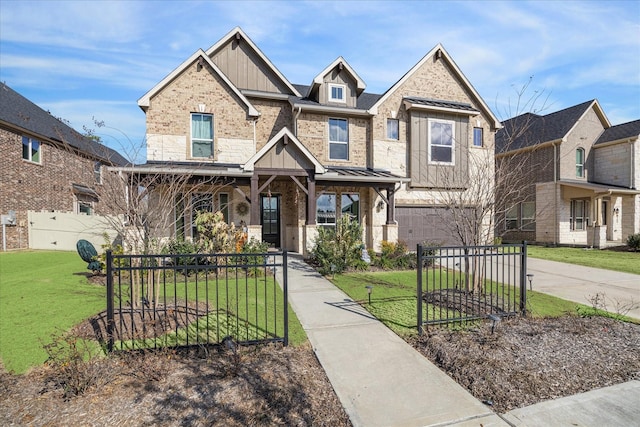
x=339, y=248
x=633, y=241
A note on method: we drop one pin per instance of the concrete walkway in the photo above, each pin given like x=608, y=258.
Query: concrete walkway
x=382, y=381
x=579, y=284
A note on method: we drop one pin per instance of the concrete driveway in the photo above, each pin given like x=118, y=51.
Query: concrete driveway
x=619, y=291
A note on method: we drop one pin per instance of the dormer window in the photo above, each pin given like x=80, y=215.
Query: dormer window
x=337, y=93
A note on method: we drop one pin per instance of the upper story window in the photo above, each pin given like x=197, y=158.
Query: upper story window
x=97, y=172
x=393, y=129
x=31, y=149
x=338, y=139
x=326, y=209
x=201, y=135
x=580, y=163
x=337, y=93
x=477, y=137
x=441, y=143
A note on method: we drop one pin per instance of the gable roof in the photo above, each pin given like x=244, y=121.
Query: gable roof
x=527, y=130
x=284, y=132
x=629, y=130
x=237, y=32
x=18, y=112
x=344, y=65
x=442, y=54
x=145, y=100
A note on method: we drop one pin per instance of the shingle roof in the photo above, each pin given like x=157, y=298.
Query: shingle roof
x=531, y=129
x=18, y=111
x=364, y=102
x=621, y=131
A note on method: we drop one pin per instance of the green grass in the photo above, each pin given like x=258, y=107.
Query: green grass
x=626, y=262
x=44, y=293
x=41, y=293
x=393, y=299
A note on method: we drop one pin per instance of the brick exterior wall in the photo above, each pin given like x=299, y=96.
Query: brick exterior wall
x=45, y=186
x=585, y=133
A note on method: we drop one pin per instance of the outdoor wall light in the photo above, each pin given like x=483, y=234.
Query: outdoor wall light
x=530, y=277
x=369, y=290
x=380, y=205
x=616, y=211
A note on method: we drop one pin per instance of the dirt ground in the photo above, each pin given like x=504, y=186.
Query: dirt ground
x=523, y=362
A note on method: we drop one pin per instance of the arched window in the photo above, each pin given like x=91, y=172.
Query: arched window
x=580, y=162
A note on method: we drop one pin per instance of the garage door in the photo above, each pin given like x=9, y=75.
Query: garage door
x=419, y=224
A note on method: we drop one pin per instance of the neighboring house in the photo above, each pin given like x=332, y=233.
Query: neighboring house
x=288, y=158
x=582, y=174
x=46, y=166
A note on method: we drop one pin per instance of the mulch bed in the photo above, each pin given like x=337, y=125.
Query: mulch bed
x=526, y=361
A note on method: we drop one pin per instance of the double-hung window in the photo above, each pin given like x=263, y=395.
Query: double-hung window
x=326, y=209
x=511, y=218
x=97, y=172
x=580, y=163
x=441, y=142
x=201, y=135
x=528, y=214
x=350, y=205
x=337, y=93
x=393, y=131
x=200, y=203
x=579, y=214
x=477, y=137
x=31, y=149
x=338, y=139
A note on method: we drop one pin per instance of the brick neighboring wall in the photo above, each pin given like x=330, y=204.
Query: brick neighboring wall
x=45, y=186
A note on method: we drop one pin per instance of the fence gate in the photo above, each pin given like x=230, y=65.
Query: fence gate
x=459, y=284
x=194, y=299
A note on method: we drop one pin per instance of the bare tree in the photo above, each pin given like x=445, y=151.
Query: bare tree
x=496, y=183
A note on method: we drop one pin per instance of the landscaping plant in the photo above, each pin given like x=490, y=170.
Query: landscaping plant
x=339, y=248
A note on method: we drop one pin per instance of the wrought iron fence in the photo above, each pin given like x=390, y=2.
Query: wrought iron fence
x=194, y=299
x=460, y=284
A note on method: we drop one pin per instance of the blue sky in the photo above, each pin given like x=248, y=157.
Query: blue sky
x=83, y=60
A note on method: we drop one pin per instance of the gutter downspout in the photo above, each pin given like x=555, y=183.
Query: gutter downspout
x=555, y=193
x=295, y=121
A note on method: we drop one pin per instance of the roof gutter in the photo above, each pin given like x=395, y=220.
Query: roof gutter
x=333, y=110
x=531, y=148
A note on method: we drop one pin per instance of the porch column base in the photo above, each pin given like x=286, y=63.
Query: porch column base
x=310, y=235
x=597, y=236
x=254, y=231
x=390, y=232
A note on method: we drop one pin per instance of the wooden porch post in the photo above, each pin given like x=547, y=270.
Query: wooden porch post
x=255, y=200
x=391, y=206
x=311, y=199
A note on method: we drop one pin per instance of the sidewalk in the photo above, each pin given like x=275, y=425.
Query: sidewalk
x=380, y=379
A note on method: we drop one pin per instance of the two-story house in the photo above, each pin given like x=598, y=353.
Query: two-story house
x=284, y=159
x=579, y=174
x=46, y=166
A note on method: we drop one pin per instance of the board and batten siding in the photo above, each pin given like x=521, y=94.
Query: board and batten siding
x=246, y=69
x=284, y=156
x=426, y=175
x=341, y=78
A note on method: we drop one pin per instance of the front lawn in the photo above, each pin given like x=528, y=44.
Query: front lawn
x=41, y=293
x=626, y=262
x=393, y=299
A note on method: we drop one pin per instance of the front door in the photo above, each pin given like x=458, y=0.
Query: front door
x=270, y=219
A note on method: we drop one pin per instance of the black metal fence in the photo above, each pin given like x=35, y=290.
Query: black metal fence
x=194, y=299
x=460, y=284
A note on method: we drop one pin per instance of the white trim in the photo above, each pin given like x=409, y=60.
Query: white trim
x=249, y=165
x=332, y=110
x=232, y=34
x=343, y=91
x=337, y=142
x=145, y=101
x=444, y=56
x=319, y=79
x=453, y=142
